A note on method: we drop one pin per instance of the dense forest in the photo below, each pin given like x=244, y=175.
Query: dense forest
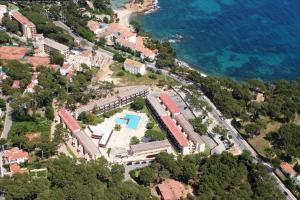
x=217, y=177
x=77, y=180
x=278, y=107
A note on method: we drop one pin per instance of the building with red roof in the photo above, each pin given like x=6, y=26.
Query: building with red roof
x=171, y=189
x=69, y=120
x=179, y=139
x=169, y=103
x=82, y=139
x=28, y=28
x=16, y=84
x=288, y=169
x=15, y=155
x=15, y=169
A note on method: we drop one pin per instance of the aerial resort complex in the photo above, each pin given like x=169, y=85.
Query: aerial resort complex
x=96, y=103
x=95, y=140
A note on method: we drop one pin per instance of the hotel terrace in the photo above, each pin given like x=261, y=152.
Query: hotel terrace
x=180, y=130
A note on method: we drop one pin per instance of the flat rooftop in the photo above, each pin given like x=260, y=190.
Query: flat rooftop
x=149, y=146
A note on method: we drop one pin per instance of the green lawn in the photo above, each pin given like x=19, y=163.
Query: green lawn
x=128, y=79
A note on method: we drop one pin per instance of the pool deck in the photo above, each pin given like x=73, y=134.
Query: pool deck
x=121, y=139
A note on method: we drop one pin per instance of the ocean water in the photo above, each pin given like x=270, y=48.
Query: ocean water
x=117, y=4
x=240, y=39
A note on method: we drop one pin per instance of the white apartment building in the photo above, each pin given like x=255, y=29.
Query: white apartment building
x=3, y=10
x=134, y=67
x=50, y=45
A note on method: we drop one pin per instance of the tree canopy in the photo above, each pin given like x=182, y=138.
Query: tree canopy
x=80, y=180
x=217, y=177
x=138, y=103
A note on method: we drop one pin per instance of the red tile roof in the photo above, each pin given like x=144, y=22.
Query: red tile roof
x=174, y=130
x=288, y=169
x=15, y=154
x=21, y=19
x=16, y=84
x=70, y=74
x=15, y=168
x=172, y=190
x=69, y=120
x=169, y=103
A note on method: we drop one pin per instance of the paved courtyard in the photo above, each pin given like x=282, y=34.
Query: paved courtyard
x=120, y=140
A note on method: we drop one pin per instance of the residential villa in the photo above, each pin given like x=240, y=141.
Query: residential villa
x=66, y=69
x=288, y=169
x=16, y=84
x=134, y=67
x=15, y=155
x=170, y=189
x=34, y=82
x=27, y=27
x=16, y=169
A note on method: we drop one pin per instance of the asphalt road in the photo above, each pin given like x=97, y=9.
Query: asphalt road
x=89, y=45
x=7, y=122
x=134, y=166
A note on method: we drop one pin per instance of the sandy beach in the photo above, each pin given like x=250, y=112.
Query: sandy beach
x=134, y=7
x=148, y=6
x=124, y=16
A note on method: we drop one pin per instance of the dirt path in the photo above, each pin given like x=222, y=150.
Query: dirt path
x=105, y=73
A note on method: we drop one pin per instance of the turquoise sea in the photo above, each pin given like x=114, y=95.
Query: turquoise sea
x=240, y=39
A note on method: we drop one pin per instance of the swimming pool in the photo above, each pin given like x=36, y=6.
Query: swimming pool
x=132, y=121
x=121, y=121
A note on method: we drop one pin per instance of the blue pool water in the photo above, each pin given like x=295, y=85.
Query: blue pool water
x=121, y=121
x=241, y=39
x=132, y=121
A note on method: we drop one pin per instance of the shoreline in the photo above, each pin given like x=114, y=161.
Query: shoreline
x=147, y=7
x=124, y=13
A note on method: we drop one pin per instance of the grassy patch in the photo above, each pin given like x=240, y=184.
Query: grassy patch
x=260, y=143
x=70, y=151
x=125, y=78
x=151, y=119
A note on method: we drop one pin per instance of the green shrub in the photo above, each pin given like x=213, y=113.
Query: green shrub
x=150, y=125
x=120, y=73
